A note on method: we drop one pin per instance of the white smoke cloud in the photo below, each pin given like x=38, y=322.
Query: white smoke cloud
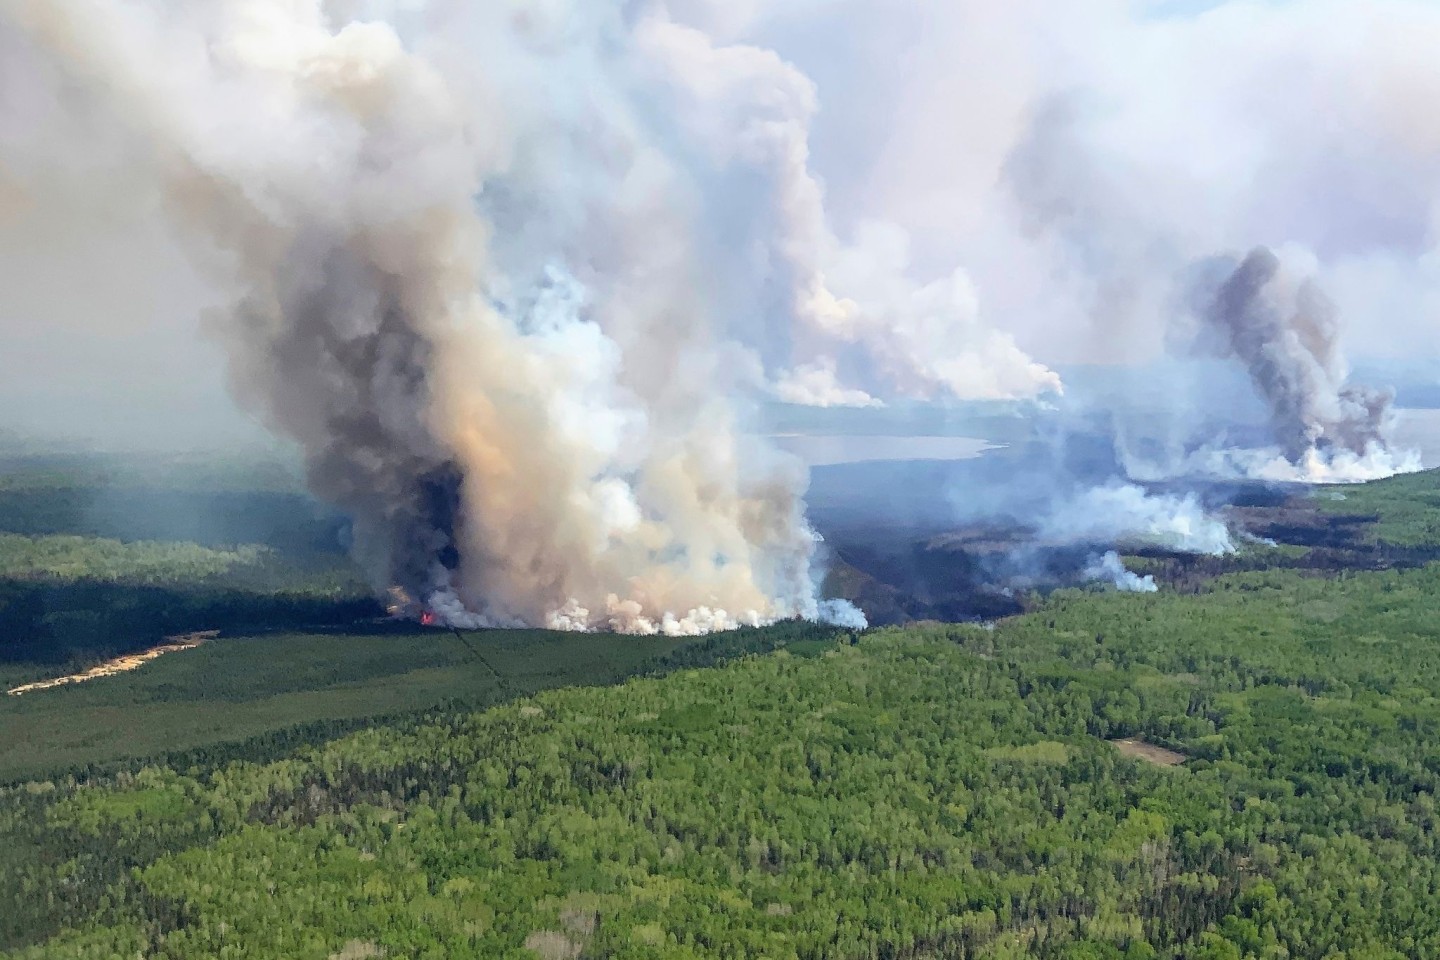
x=1077, y=159
x=818, y=385
x=842, y=613
x=1018, y=142
x=1272, y=464
x=1111, y=569
x=1128, y=514
x=749, y=108
x=511, y=272
x=532, y=436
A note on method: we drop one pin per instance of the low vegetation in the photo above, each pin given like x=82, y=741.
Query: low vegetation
x=240, y=695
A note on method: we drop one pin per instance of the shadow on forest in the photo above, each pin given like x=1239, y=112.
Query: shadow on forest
x=56, y=623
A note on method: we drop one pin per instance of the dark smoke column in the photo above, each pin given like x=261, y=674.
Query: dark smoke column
x=503, y=465
x=1286, y=335
x=347, y=372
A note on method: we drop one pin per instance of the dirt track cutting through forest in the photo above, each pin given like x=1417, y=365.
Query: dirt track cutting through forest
x=111, y=668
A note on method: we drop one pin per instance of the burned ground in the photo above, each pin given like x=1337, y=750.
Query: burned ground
x=905, y=572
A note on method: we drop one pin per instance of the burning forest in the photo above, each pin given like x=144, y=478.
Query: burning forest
x=517, y=280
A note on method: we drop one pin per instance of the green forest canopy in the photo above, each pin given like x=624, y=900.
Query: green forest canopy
x=933, y=791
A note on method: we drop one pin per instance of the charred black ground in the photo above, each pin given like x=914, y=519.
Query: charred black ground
x=897, y=553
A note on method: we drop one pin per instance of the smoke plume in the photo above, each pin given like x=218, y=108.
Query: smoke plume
x=1284, y=332
x=750, y=110
x=818, y=385
x=516, y=275
x=1127, y=514
x=1111, y=569
x=525, y=430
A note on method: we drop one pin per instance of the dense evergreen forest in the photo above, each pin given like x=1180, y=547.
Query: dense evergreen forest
x=1244, y=767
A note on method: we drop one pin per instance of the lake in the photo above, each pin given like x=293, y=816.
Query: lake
x=830, y=451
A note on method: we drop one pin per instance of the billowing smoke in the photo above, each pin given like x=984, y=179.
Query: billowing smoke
x=1128, y=514
x=1110, y=568
x=515, y=275
x=842, y=613
x=1018, y=142
x=751, y=112
x=1284, y=331
x=536, y=428
x=818, y=385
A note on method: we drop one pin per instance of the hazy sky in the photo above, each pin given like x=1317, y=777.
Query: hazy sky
x=1065, y=156
x=144, y=373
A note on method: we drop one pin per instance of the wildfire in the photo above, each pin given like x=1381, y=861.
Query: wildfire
x=427, y=619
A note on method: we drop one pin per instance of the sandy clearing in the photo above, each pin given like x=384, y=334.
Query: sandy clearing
x=131, y=661
x=1150, y=753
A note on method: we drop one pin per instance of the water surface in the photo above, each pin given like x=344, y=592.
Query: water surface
x=829, y=451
